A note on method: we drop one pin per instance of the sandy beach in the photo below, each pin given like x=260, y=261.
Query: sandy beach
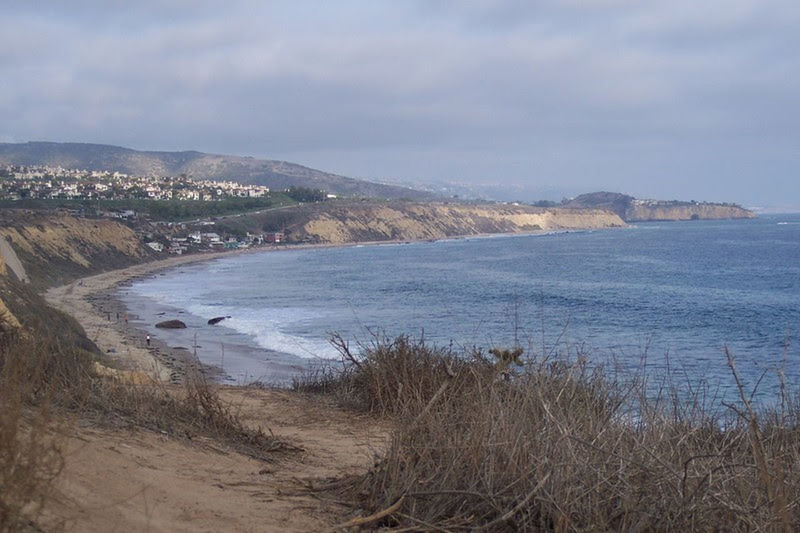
x=103, y=318
x=92, y=303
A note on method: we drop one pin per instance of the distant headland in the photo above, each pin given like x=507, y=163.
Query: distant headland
x=631, y=209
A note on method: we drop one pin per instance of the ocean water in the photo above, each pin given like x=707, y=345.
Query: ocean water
x=670, y=296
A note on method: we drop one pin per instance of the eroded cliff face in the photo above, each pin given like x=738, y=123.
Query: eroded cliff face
x=7, y=318
x=38, y=249
x=362, y=223
x=640, y=213
x=632, y=210
x=55, y=247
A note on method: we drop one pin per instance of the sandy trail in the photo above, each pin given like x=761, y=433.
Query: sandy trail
x=135, y=480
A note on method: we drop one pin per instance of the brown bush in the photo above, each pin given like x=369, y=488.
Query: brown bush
x=183, y=412
x=30, y=458
x=560, y=446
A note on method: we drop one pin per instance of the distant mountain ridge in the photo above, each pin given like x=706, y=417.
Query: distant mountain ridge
x=249, y=170
x=631, y=209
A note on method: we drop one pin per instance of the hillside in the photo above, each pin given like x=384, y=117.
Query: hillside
x=41, y=249
x=55, y=247
x=90, y=449
x=248, y=170
x=631, y=209
x=427, y=221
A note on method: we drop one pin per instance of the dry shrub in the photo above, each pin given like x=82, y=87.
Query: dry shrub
x=560, y=446
x=184, y=412
x=391, y=373
x=30, y=458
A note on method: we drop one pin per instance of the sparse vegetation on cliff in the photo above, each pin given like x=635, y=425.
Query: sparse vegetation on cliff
x=632, y=209
x=54, y=247
x=30, y=458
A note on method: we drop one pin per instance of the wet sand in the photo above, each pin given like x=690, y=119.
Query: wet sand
x=105, y=319
x=232, y=357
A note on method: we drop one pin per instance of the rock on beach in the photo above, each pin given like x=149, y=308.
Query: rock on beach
x=171, y=324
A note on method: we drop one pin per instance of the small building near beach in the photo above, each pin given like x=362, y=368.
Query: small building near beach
x=212, y=237
x=273, y=237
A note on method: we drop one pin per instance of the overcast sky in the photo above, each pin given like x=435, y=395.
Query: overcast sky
x=670, y=99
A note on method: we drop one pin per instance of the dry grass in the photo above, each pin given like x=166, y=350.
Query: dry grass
x=193, y=410
x=30, y=458
x=560, y=446
x=44, y=384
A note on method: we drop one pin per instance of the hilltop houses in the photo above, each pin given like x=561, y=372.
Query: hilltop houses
x=43, y=182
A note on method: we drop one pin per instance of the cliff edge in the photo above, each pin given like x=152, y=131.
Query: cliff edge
x=631, y=209
x=47, y=248
x=405, y=221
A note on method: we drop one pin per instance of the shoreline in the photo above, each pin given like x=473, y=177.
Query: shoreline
x=90, y=301
x=107, y=321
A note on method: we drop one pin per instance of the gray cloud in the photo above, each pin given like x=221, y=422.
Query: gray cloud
x=675, y=99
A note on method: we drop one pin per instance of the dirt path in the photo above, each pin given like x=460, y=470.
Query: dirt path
x=135, y=480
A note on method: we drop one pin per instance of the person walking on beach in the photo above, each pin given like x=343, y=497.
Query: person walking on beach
x=147, y=339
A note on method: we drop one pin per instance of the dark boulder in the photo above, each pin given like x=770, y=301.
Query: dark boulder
x=217, y=320
x=171, y=324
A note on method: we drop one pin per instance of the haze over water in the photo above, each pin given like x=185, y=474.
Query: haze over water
x=677, y=291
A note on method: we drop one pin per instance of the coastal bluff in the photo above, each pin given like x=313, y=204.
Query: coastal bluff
x=421, y=221
x=55, y=247
x=632, y=209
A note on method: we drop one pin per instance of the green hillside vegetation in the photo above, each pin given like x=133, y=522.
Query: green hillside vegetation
x=169, y=210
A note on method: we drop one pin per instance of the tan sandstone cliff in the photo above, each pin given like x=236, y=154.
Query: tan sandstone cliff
x=55, y=246
x=360, y=223
x=686, y=212
x=631, y=209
